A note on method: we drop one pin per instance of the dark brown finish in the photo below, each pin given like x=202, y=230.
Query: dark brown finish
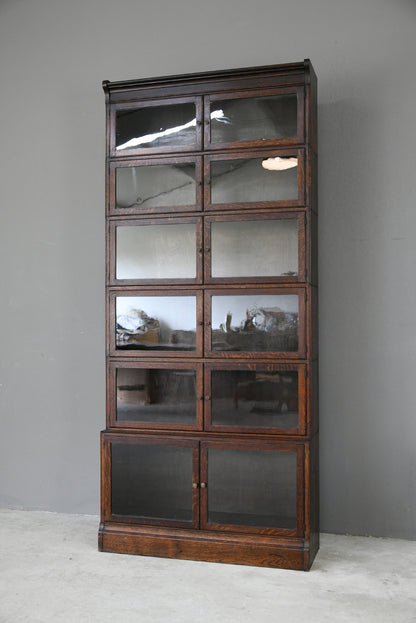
x=265, y=401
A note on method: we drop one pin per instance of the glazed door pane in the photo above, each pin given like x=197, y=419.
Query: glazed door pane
x=253, y=118
x=256, y=488
x=151, y=481
x=156, y=186
x=255, y=322
x=252, y=180
x=155, y=323
x=158, y=396
x=162, y=251
x=254, y=398
x=156, y=127
x=258, y=248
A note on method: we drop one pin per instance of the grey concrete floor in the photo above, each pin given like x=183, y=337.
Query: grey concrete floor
x=50, y=570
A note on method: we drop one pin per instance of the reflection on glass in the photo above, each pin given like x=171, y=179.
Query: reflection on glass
x=266, y=248
x=255, y=398
x=156, y=322
x=246, y=180
x=252, y=488
x=260, y=323
x=156, y=186
x=254, y=118
x=156, y=395
x=151, y=481
x=156, y=126
x=156, y=251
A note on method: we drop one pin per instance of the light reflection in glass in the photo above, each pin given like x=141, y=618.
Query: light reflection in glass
x=149, y=138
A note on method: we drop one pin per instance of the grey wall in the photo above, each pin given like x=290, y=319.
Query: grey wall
x=54, y=55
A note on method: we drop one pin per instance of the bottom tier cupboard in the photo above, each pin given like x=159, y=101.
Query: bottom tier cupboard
x=240, y=501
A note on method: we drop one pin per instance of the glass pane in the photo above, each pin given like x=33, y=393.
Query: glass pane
x=260, y=322
x=156, y=395
x=156, y=186
x=267, y=248
x=255, y=398
x=247, y=180
x=151, y=481
x=156, y=322
x=252, y=488
x=254, y=118
x=156, y=126
x=156, y=251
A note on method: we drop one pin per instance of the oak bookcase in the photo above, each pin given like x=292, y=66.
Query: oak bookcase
x=211, y=444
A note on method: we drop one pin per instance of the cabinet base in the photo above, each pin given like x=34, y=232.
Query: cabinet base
x=296, y=554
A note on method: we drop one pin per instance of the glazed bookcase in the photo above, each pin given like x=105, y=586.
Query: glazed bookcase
x=210, y=450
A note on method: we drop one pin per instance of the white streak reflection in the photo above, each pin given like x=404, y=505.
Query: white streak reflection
x=150, y=138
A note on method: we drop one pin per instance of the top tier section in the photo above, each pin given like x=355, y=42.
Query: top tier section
x=244, y=108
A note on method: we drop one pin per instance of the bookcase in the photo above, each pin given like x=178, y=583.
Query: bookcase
x=210, y=450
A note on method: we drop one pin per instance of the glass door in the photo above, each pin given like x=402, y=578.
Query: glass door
x=152, y=480
x=250, y=486
x=155, y=185
x=255, y=247
x=245, y=119
x=255, y=397
x=155, y=395
x=146, y=322
x=156, y=126
x=255, y=322
x=260, y=179
x=164, y=250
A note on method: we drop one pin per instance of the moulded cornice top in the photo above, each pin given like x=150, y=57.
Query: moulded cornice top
x=283, y=69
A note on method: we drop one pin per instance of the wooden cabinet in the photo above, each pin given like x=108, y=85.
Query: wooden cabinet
x=211, y=445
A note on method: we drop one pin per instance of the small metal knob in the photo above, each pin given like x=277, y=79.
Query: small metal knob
x=203, y=485
x=194, y=485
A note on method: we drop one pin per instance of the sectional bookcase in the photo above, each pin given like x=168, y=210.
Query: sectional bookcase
x=210, y=450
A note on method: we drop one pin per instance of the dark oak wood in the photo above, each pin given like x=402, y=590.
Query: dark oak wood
x=260, y=551
x=243, y=536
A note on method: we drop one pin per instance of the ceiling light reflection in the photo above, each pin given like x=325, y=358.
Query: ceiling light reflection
x=279, y=163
